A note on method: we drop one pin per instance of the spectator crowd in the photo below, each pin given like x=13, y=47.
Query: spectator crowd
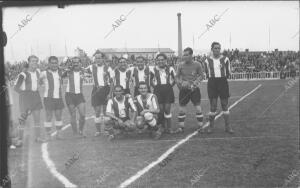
x=246, y=62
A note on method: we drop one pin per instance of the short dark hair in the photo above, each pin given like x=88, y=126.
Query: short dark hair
x=32, y=56
x=118, y=86
x=214, y=43
x=99, y=53
x=52, y=58
x=140, y=57
x=188, y=49
x=122, y=58
x=75, y=58
x=163, y=55
x=142, y=83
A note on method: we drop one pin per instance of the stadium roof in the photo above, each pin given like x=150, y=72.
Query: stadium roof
x=136, y=50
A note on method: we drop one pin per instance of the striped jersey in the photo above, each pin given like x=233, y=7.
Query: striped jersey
x=122, y=78
x=101, y=74
x=120, y=108
x=27, y=81
x=149, y=103
x=53, y=83
x=163, y=76
x=141, y=75
x=217, y=67
x=74, y=82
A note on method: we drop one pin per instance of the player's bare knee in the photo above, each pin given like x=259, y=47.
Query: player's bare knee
x=224, y=104
x=182, y=109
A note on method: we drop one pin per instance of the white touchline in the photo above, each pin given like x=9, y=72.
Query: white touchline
x=50, y=164
x=172, y=149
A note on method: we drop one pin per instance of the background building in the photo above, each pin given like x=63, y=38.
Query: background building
x=145, y=52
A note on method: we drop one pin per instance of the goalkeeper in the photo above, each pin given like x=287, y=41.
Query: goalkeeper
x=188, y=78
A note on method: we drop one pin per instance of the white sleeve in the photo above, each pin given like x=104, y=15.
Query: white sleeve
x=229, y=64
x=172, y=71
x=154, y=102
x=109, y=108
x=151, y=68
x=89, y=68
x=111, y=72
x=43, y=75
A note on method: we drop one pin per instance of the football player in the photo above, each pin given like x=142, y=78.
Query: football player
x=74, y=95
x=122, y=75
x=102, y=76
x=217, y=68
x=188, y=77
x=53, y=101
x=163, y=80
x=29, y=96
x=141, y=73
x=148, y=109
x=117, y=110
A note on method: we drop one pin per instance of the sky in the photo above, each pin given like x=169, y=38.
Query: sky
x=53, y=31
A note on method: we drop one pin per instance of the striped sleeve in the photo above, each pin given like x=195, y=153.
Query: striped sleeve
x=132, y=105
x=19, y=82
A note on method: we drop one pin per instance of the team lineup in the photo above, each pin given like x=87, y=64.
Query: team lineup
x=116, y=110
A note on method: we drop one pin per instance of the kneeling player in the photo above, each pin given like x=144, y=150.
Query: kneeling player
x=147, y=107
x=117, y=110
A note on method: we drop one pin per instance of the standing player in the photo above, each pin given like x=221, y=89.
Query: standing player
x=217, y=68
x=141, y=73
x=53, y=96
x=74, y=95
x=188, y=77
x=101, y=92
x=122, y=75
x=147, y=108
x=163, y=80
x=29, y=96
x=118, y=110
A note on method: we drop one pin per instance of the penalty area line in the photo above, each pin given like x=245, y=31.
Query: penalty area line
x=50, y=164
x=173, y=148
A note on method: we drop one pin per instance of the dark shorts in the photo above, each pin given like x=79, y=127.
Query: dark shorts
x=218, y=87
x=164, y=93
x=99, y=96
x=75, y=99
x=126, y=91
x=53, y=104
x=30, y=100
x=187, y=95
x=136, y=91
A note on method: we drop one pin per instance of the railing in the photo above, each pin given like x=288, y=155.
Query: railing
x=261, y=75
